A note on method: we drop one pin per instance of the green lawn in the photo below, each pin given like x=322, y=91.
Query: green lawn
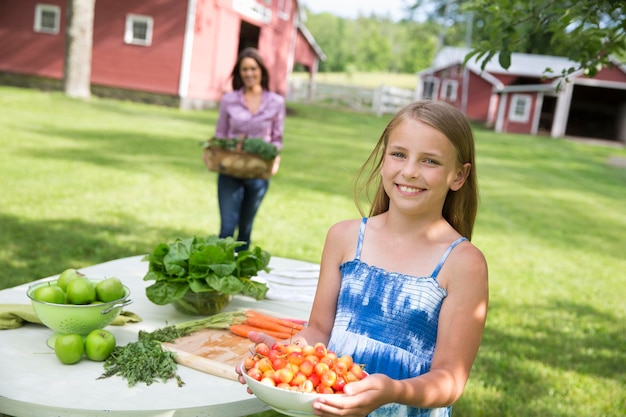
x=84, y=183
x=361, y=79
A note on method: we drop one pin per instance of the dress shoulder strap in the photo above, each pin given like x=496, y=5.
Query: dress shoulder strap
x=359, y=243
x=445, y=255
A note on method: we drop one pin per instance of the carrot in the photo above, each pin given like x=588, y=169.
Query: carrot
x=243, y=330
x=269, y=325
x=272, y=319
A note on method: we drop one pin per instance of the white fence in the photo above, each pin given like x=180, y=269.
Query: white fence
x=381, y=100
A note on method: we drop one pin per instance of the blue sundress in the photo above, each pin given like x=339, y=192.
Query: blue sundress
x=388, y=322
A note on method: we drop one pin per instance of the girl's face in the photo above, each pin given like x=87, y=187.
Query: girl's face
x=250, y=72
x=420, y=167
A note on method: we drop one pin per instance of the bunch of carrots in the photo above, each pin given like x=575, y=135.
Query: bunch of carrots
x=272, y=326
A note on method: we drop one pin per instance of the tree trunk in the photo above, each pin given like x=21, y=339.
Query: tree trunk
x=79, y=41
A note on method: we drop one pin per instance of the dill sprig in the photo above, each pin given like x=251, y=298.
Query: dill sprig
x=146, y=361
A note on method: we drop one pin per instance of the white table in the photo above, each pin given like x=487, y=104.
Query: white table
x=33, y=383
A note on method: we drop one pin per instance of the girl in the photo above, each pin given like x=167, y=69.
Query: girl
x=404, y=291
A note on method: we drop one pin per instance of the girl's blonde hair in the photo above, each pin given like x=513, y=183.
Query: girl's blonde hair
x=460, y=207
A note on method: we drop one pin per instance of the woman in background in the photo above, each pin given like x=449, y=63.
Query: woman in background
x=251, y=111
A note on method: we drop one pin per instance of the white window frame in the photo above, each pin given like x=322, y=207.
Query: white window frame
x=435, y=82
x=129, y=34
x=454, y=88
x=284, y=9
x=42, y=8
x=523, y=100
x=426, y=84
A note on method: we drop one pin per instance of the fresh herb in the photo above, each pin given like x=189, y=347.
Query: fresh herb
x=146, y=361
x=142, y=361
x=222, y=143
x=261, y=148
x=255, y=146
x=204, y=264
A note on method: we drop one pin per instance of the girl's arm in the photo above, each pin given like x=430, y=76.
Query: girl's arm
x=340, y=243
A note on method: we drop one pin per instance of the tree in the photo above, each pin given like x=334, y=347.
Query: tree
x=588, y=32
x=78, y=46
x=372, y=43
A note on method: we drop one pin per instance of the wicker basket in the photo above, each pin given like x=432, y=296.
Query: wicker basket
x=237, y=163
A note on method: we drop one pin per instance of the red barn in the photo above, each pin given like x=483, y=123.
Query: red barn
x=521, y=99
x=184, y=49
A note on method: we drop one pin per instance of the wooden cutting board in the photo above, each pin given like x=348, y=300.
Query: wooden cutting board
x=216, y=352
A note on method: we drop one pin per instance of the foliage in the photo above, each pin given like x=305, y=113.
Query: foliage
x=256, y=146
x=588, y=32
x=88, y=182
x=371, y=44
x=204, y=264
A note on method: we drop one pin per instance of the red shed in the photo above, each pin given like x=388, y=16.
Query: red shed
x=521, y=99
x=179, y=48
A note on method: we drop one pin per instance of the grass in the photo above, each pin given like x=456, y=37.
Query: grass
x=84, y=183
x=362, y=79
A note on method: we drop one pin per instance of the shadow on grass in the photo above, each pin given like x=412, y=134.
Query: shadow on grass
x=57, y=245
x=125, y=150
x=533, y=364
x=563, y=335
x=315, y=157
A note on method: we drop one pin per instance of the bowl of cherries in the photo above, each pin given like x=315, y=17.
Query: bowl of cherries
x=289, y=378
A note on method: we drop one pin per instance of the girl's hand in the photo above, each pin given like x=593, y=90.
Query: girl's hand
x=362, y=397
x=257, y=338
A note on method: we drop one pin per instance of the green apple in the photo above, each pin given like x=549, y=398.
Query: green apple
x=81, y=291
x=109, y=289
x=69, y=348
x=99, y=344
x=50, y=294
x=66, y=276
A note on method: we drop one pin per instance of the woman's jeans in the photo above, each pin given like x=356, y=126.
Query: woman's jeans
x=239, y=201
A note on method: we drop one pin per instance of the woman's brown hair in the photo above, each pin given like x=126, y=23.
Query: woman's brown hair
x=460, y=207
x=256, y=55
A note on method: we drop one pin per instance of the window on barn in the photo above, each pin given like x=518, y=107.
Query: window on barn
x=520, y=108
x=284, y=9
x=449, y=89
x=47, y=18
x=138, y=30
x=429, y=89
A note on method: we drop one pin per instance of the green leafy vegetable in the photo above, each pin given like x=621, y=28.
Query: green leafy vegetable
x=256, y=146
x=261, y=148
x=222, y=143
x=146, y=361
x=203, y=264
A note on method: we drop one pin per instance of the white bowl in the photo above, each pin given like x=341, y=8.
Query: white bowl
x=291, y=403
